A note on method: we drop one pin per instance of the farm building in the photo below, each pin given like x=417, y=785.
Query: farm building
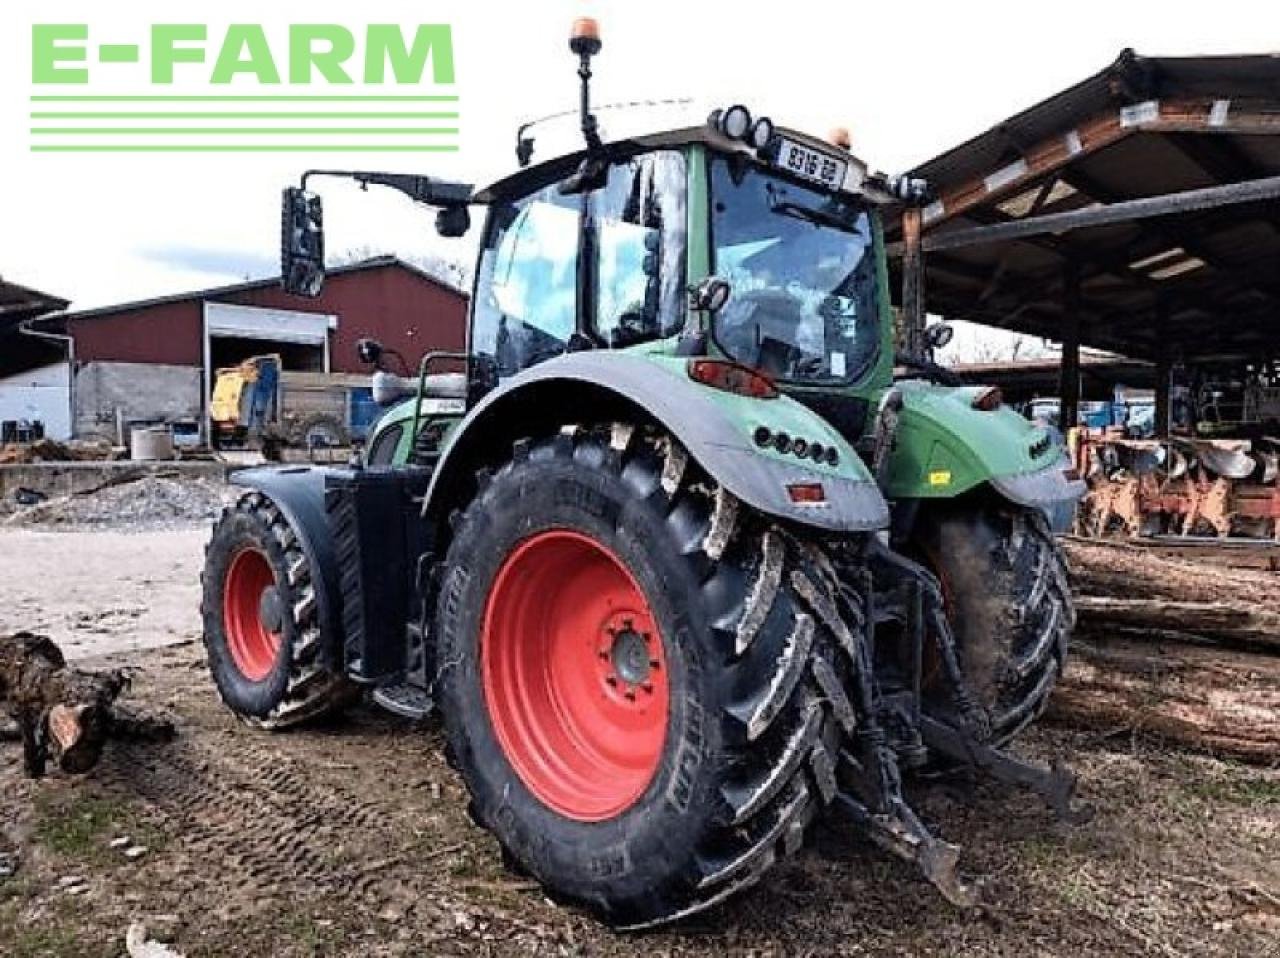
x=156, y=360
x=33, y=372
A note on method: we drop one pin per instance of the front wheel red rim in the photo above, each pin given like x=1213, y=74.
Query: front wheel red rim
x=251, y=614
x=575, y=675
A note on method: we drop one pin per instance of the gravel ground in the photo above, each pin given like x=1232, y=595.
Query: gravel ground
x=153, y=502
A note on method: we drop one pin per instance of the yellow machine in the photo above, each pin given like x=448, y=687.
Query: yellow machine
x=245, y=399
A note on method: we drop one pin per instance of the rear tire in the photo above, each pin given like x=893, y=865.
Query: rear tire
x=1004, y=582
x=261, y=621
x=751, y=670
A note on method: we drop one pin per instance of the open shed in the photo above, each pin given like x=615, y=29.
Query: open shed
x=1137, y=212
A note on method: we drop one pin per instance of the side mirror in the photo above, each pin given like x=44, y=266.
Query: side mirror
x=301, y=243
x=939, y=335
x=710, y=294
x=453, y=221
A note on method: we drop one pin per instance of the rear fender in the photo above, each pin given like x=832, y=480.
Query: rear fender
x=716, y=427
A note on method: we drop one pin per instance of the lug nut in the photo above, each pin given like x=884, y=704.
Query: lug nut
x=763, y=435
x=833, y=457
x=800, y=447
x=782, y=442
x=817, y=450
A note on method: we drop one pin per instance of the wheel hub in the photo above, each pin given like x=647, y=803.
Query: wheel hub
x=626, y=650
x=575, y=679
x=253, y=614
x=271, y=610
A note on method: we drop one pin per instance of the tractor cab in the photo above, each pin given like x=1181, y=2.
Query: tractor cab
x=737, y=240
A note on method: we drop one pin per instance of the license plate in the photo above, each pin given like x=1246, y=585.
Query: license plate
x=812, y=164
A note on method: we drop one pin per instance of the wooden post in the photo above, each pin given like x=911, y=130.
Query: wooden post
x=1069, y=381
x=1164, y=372
x=912, y=283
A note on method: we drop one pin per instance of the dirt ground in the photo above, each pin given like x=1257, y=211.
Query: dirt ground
x=95, y=592
x=353, y=839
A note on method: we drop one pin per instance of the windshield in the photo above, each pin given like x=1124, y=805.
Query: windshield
x=801, y=265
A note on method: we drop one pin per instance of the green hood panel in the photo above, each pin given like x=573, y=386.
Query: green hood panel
x=946, y=447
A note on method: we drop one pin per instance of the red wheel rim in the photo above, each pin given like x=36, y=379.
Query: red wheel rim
x=574, y=675
x=248, y=598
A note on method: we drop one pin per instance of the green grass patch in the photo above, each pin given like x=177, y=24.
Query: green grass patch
x=75, y=826
x=1247, y=792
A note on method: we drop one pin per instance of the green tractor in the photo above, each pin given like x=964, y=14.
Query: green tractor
x=678, y=560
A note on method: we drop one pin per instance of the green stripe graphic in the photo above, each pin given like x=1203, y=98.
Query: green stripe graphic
x=243, y=99
x=248, y=148
x=237, y=130
x=204, y=115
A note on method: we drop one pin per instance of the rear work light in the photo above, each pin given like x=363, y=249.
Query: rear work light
x=732, y=378
x=989, y=400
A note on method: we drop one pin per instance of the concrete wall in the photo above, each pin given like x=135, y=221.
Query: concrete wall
x=141, y=391
x=42, y=394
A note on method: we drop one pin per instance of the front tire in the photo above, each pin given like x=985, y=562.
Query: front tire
x=1004, y=584
x=652, y=785
x=261, y=620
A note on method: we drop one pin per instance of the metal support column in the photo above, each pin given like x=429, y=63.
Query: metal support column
x=1069, y=383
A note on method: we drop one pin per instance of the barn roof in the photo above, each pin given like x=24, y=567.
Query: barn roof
x=1201, y=284
x=216, y=292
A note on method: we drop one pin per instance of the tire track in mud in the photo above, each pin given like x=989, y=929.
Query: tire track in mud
x=259, y=815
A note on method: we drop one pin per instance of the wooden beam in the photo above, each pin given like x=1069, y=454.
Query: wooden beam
x=1164, y=371
x=913, y=287
x=1250, y=191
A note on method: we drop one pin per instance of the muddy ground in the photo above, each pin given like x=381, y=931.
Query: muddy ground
x=353, y=839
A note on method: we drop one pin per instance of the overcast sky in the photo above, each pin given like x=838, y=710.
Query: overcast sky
x=910, y=80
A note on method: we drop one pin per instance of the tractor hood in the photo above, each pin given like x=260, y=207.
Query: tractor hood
x=946, y=447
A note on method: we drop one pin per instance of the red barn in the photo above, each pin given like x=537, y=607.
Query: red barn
x=154, y=360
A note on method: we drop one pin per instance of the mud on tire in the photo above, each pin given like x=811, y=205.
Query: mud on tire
x=755, y=655
x=253, y=547
x=1004, y=581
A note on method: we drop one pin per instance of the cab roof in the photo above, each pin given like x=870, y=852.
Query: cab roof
x=521, y=181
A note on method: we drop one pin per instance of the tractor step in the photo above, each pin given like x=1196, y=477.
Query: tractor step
x=407, y=701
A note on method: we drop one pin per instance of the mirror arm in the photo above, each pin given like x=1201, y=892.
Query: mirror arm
x=420, y=189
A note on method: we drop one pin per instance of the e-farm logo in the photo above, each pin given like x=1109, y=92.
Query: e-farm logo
x=314, y=87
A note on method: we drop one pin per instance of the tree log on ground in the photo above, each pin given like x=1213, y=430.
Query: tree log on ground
x=1212, y=620
x=1185, y=650
x=1203, y=697
x=63, y=714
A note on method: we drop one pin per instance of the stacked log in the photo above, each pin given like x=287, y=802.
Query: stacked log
x=1185, y=650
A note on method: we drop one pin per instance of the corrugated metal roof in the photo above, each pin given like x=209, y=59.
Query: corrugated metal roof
x=21, y=303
